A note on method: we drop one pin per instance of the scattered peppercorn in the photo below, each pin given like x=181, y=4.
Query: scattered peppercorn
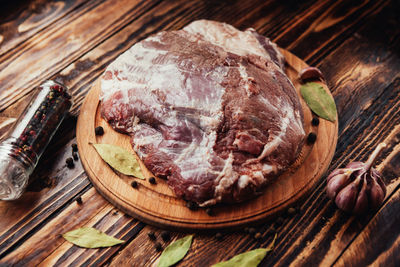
x=134, y=184
x=158, y=246
x=315, y=121
x=99, y=130
x=75, y=155
x=311, y=138
x=252, y=230
x=192, y=205
x=152, y=236
x=257, y=236
x=79, y=200
x=152, y=180
x=74, y=147
x=246, y=230
x=70, y=163
x=165, y=236
x=218, y=236
x=209, y=211
x=291, y=211
x=272, y=229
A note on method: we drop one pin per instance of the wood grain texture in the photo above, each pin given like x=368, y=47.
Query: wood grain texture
x=73, y=38
x=157, y=204
x=31, y=18
x=354, y=43
x=368, y=248
x=35, y=249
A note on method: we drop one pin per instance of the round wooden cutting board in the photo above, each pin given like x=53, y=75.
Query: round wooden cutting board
x=158, y=205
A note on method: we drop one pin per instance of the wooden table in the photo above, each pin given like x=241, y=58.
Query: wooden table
x=354, y=43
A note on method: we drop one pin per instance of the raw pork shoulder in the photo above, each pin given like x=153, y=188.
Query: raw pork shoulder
x=209, y=108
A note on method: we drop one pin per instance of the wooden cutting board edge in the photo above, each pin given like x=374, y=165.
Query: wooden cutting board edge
x=85, y=134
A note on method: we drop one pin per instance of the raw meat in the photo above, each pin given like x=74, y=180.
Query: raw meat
x=207, y=107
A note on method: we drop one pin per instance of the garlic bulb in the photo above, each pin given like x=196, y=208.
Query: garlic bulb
x=358, y=187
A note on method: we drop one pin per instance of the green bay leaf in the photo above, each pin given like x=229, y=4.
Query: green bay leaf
x=320, y=101
x=247, y=259
x=175, y=251
x=88, y=237
x=120, y=159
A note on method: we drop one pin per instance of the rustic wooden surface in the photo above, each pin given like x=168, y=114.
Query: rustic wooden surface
x=159, y=206
x=355, y=44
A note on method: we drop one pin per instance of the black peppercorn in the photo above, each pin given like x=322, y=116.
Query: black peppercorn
x=246, y=230
x=209, y=211
x=134, y=184
x=75, y=155
x=158, y=246
x=311, y=138
x=151, y=236
x=192, y=205
x=74, y=147
x=99, y=130
x=165, y=236
x=70, y=163
x=79, y=200
x=152, y=180
x=291, y=211
x=315, y=121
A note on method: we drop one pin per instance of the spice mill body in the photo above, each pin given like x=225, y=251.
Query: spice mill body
x=26, y=141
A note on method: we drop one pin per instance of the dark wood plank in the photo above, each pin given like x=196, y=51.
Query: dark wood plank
x=48, y=192
x=71, y=37
x=21, y=20
x=143, y=249
x=370, y=119
x=327, y=27
x=111, y=222
x=372, y=249
x=38, y=246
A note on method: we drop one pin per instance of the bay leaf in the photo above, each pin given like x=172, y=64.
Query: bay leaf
x=247, y=259
x=319, y=101
x=120, y=159
x=88, y=237
x=175, y=251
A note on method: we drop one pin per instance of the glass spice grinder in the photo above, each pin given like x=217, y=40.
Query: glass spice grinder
x=26, y=141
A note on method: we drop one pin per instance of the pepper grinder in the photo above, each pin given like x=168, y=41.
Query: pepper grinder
x=20, y=151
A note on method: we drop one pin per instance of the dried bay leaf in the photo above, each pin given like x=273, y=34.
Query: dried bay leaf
x=175, y=251
x=247, y=259
x=88, y=237
x=120, y=159
x=320, y=102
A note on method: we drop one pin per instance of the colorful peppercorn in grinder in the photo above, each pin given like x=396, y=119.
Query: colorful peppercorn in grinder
x=26, y=141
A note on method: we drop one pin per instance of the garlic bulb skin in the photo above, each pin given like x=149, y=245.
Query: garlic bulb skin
x=358, y=187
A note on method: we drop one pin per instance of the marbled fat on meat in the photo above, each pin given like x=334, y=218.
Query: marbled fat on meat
x=209, y=108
